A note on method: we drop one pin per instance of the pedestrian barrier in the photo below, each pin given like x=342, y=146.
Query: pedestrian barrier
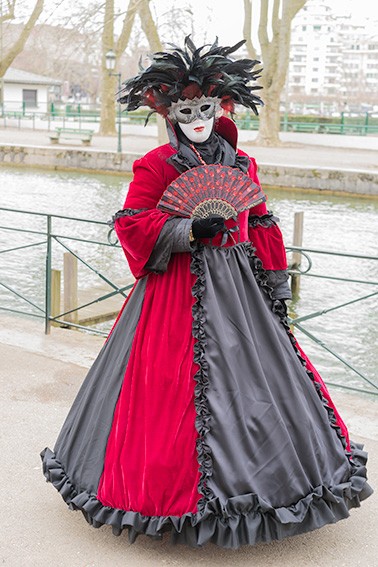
x=49, y=236
x=76, y=115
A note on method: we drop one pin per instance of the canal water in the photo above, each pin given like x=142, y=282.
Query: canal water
x=336, y=223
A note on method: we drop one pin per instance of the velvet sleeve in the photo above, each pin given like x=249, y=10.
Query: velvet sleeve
x=147, y=235
x=266, y=237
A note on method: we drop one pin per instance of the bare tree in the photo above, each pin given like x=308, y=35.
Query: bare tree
x=108, y=83
x=16, y=48
x=142, y=8
x=152, y=35
x=275, y=52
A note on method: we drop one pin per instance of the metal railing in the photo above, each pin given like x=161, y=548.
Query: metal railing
x=297, y=321
x=49, y=235
x=20, y=115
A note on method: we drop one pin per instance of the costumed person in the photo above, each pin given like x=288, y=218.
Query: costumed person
x=201, y=415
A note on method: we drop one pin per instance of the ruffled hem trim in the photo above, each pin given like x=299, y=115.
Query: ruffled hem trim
x=242, y=520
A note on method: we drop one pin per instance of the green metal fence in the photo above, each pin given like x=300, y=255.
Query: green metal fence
x=305, y=268
x=62, y=115
x=49, y=235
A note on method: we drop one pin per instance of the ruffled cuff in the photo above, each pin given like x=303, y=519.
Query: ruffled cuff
x=266, y=220
x=278, y=280
x=124, y=213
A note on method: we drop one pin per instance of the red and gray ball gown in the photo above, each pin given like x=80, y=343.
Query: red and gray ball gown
x=201, y=415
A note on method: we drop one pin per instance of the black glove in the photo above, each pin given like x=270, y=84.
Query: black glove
x=208, y=227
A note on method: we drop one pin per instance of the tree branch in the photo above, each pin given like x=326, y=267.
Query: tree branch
x=275, y=16
x=292, y=7
x=247, y=29
x=127, y=27
x=263, y=29
x=148, y=26
x=12, y=53
x=9, y=14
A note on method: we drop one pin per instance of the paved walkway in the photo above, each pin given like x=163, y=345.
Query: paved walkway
x=39, y=377
x=311, y=150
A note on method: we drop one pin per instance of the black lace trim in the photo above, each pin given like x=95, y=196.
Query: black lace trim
x=124, y=213
x=203, y=415
x=266, y=220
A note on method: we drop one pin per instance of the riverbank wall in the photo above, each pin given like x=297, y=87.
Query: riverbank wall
x=350, y=181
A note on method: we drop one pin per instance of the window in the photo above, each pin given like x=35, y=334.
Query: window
x=29, y=97
x=317, y=28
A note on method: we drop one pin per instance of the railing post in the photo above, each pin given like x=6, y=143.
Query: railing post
x=55, y=294
x=296, y=257
x=48, y=279
x=365, y=129
x=70, y=286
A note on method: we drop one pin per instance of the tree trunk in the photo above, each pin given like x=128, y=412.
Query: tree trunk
x=18, y=46
x=109, y=86
x=108, y=82
x=269, y=126
x=152, y=35
x=275, y=53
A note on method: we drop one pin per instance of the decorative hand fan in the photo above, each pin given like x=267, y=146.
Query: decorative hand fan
x=211, y=190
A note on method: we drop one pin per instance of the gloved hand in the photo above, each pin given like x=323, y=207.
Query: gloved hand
x=208, y=227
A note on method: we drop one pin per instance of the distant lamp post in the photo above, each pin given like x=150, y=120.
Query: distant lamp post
x=110, y=62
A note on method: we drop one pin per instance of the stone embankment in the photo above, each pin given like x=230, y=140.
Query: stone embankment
x=341, y=164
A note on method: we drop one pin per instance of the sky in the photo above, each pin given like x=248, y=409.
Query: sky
x=227, y=23
x=223, y=18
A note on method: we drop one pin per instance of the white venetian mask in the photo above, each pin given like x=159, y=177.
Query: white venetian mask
x=196, y=116
x=198, y=131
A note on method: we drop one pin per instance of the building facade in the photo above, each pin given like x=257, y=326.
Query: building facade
x=24, y=91
x=333, y=63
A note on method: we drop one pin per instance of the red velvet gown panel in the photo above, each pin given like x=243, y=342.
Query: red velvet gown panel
x=151, y=460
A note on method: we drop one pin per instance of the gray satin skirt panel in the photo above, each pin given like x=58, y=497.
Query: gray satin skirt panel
x=269, y=432
x=82, y=441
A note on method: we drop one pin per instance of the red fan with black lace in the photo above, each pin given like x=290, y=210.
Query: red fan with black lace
x=211, y=190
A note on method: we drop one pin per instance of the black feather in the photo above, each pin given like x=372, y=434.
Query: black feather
x=209, y=67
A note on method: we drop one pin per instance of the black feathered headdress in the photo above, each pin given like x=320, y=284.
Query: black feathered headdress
x=193, y=72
